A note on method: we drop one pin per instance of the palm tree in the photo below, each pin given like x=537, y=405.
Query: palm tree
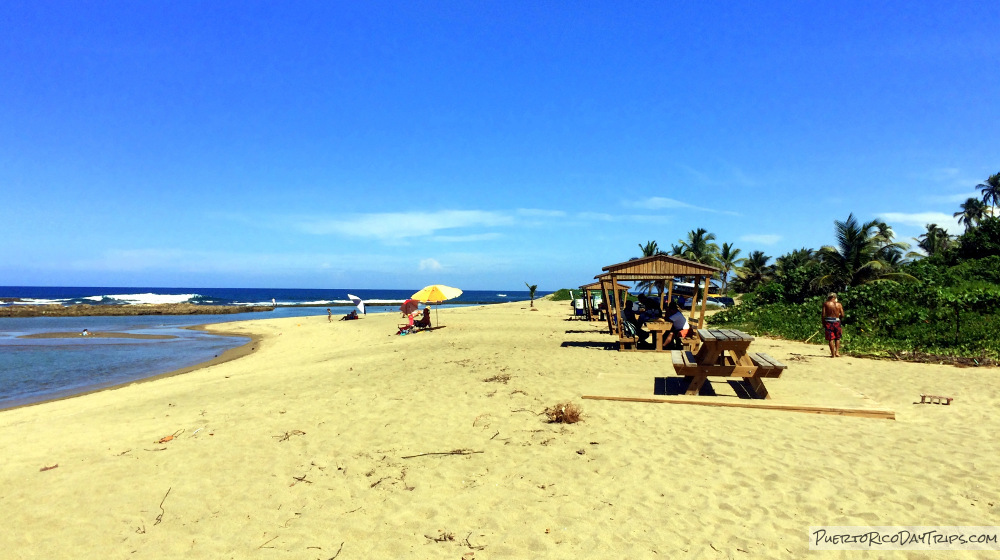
x=649, y=249
x=863, y=254
x=795, y=259
x=973, y=211
x=699, y=247
x=797, y=272
x=991, y=191
x=935, y=240
x=531, y=291
x=755, y=271
x=728, y=260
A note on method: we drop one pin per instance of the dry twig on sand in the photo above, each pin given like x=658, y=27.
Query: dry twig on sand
x=470, y=545
x=162, y=511
x=442, y=537
x=287, y=435
x=452, y=452
x=564, y=413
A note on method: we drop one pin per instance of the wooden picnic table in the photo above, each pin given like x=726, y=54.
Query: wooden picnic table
x=659, y=327
x=725, y=353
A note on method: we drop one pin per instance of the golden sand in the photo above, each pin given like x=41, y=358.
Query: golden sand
x=344, y=440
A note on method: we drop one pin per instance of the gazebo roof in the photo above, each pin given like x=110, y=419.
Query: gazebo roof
x=657, y=267
x=597, y=285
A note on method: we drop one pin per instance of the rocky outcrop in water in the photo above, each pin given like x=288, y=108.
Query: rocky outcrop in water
x=85, y=310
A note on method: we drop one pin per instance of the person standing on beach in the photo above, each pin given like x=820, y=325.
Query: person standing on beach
x=329, y=315
x=832, y=313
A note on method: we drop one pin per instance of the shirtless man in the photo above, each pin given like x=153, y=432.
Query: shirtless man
x=832, y=313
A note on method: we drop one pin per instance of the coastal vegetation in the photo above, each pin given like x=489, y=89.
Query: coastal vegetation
x=939, y=301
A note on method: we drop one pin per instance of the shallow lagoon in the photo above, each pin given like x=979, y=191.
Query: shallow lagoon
x=40, y=369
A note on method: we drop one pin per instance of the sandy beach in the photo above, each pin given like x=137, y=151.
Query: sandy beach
x=344, y=440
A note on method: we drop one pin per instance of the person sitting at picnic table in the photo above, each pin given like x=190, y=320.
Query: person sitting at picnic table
x=680, y=328
x=648, y=310
x=632, y=322
x=424, y=322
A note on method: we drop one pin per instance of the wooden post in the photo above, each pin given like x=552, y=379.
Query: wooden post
x=704, y=301
x=670, y=290
x=618, y=307
x=694, y=298
x=659, y=287
x=607, y=306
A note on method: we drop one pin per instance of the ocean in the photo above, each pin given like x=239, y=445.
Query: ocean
x=34, y=370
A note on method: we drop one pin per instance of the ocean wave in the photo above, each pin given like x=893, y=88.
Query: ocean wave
x=38, y=301
x=144, y=298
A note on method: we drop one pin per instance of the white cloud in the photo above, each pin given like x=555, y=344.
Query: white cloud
x=430, y=264
x=183, y=260
x=659, y=203
x=538, y=213
x=597, y=217
x=401, y=225
x=957, y=198
x=662, y=203
x=763, y=238
x=466, y=238
x=921, y=219
x=736, y=176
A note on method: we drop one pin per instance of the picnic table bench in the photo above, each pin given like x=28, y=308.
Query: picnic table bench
x=724, y=353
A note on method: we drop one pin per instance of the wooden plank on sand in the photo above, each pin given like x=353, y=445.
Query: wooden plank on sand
x=862, y=412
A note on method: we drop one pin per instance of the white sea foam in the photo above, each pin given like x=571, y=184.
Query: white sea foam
x=32, y=301
x=149, y=298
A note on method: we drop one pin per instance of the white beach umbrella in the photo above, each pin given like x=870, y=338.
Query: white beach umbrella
x=357, y=301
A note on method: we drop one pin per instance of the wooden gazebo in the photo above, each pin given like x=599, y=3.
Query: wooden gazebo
x=661, y=269
x=599, y=286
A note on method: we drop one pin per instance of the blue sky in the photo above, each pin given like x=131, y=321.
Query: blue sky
x=476, y=144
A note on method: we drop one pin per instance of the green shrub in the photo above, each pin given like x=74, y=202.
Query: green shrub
x=562, y=295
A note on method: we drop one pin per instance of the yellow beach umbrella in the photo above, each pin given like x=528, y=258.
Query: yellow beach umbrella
x=436, y=293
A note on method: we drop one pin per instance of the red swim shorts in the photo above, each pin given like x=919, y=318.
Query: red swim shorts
x=833, y=330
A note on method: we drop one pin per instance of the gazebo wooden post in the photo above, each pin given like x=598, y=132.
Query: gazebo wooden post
x=618, y=307
x=694, y=298
x=607, y=305
x=704, y=301
x=585, y=295
x=590, y=305
x=670, y=290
